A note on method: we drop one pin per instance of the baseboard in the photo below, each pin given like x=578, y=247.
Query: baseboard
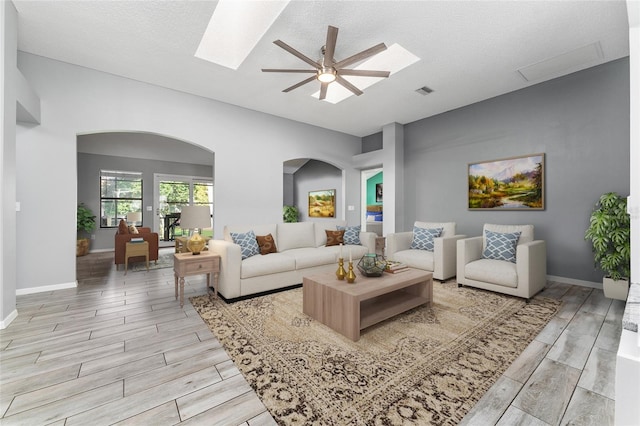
x=262, y=293
x=5, y=322
x=23, y=291
x=573, y=281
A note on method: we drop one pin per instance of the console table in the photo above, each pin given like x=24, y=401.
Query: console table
x=185, y=264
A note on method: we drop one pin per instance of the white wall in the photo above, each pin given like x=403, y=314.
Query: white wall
x=249, y=148
x=8, y=79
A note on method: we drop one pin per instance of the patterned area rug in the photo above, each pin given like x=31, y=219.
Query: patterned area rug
x=426, y=366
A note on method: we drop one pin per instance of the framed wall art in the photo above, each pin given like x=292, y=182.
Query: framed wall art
x=322, y=203
x=378, y=192
x=515, y=183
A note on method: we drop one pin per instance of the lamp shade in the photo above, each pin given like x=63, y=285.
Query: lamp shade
x=134, y=217
x=192, y=217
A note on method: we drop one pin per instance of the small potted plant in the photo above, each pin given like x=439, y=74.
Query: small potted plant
x=610, y=234
x=86, y=222
x=290, y=214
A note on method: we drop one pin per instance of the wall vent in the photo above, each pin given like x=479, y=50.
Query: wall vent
x=424, y=90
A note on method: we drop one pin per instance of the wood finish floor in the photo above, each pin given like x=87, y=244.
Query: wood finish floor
x=120, y=350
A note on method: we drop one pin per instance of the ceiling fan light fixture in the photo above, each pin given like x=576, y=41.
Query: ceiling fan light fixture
x=326, y=75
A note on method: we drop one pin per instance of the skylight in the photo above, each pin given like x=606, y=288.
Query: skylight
x=394, y=59
x=235, y=28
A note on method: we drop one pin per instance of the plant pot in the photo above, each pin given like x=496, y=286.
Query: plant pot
x=82, y=247
x=615, y=289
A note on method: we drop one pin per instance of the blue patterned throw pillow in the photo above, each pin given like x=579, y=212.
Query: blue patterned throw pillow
x=247, y=242
x=500, y=246
x=351, y=235
x=423, y=238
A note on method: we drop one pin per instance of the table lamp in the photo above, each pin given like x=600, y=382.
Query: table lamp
x=134, y=217
x=195, y=217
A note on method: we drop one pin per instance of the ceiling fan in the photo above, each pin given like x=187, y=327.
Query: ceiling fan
x=327, y=69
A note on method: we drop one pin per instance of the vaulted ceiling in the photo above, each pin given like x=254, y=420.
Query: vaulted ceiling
x=469, y=50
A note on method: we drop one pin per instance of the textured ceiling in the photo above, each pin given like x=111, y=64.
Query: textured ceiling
x=469, y=50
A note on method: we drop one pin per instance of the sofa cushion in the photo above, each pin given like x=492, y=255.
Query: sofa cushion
x=500, y=246
x=256, y=266
x=267, y=244
x=423, y=238
x=295, y=235
x=526, y=231
x=334, y=238
x=421, y=259
x=122, y=227
x=321, y=227
x=351, y=234
x=492, y=271
x=262, y=229
x=356, y=252
x=448, y=228
x=247, y=242
x=310, y=257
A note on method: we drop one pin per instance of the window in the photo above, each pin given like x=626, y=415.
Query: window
x=120, y=193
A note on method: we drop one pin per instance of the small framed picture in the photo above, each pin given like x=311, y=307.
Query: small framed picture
x=322, y=203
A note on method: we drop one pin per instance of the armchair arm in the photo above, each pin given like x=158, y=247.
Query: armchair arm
x=467, y=250
x=531, y=266
x=230, y=267
x=368, y=240
x=397, y=242
x=444, y=256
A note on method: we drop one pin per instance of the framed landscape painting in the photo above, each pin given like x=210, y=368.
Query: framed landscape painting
x=515, y=183
x=322, y=203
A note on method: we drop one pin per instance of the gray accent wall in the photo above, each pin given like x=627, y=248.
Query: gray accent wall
x=581, y=123
x=89, y=166
x=315, y=176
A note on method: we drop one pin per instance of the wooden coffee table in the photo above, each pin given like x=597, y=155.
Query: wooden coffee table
x=349, y=308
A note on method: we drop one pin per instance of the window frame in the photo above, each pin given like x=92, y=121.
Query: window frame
x=119, y=176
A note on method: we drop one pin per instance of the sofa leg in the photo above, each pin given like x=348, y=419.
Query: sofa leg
x=459, y=285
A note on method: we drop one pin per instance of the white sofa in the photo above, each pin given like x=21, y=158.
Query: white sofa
x=441, y=261
x=524, y=278
x=301, y=252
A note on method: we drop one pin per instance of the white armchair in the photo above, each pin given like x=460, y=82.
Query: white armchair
x=523, y=278
x=441, y=261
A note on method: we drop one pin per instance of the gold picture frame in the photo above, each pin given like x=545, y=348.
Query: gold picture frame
x=322, y=203
x=514, y=183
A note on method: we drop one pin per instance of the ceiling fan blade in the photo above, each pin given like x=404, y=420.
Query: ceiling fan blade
x=303, y=82
x=330, y=46
x=323, y=90
x=294, y=52
x=348, y=85
x=287, y=70
x=365, y=73
x=360, y=56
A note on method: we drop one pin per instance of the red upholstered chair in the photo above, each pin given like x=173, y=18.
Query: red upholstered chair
x=123, y=236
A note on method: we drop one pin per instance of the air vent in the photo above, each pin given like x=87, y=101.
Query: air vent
x=424, y=90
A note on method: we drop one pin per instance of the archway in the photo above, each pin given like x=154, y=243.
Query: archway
x=140, y=152
x=304, y=175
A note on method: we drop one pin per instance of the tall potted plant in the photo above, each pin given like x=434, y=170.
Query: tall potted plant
x=610, y=234
x=85, y=223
